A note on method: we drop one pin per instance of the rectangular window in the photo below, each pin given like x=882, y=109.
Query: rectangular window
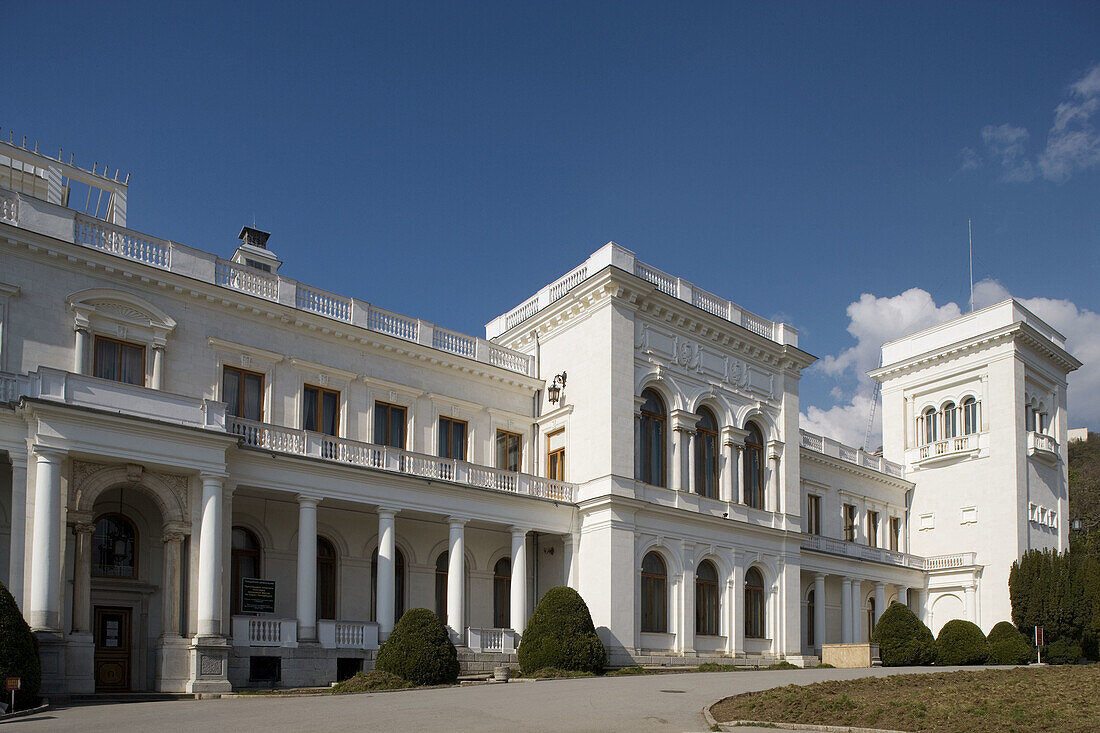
x=452, y=439
x=813, y=514
x=927, y=521
x=555, y=455
x=389, y=425
x=849, y=523
x=872, y=529
x=243, y=393
x=895, y=533
x=969, y=515
x=119, y=361
x=509, y=451
x=320, y=410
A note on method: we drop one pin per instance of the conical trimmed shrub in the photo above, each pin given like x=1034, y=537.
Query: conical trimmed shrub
x=902, y=639
x=18, y=653
x=560, y=634
x=1008, y=646
x=419, y=650
x=961, y=642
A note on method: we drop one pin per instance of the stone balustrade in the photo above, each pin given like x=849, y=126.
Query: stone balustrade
x=501, y=641
x=858, y=456
x=347, y=634
x=855, y=550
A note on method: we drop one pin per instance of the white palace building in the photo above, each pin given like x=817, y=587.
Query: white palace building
x=215, y=476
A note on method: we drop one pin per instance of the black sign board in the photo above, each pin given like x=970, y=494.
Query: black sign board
x=257, y=596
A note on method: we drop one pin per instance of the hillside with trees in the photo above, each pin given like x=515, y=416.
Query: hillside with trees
x=1084, y=493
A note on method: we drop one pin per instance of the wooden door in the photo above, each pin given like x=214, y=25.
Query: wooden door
x=112, y=649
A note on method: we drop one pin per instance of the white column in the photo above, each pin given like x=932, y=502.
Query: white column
x=972, y=603
x=857, y=611
x=903, y=595
x=738, y=474
x=679, y=449
x=725, y=479
x=774, y=502
x=846, y=610
x=689, y=480
x=209, y=600
x=819, y=610
x=307, y=569
x=158, y=367
x=569, y=558
x=386, y=588
x=880, y=600
x=738, y=630
x=687, y=600
x=170, y=587
x=16, y=569
x=80, y=357
x=82, y=578
x=456, y=573
x=44, y=608
x=518, y=610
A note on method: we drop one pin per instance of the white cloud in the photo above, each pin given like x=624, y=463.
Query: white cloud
x=875, y=320
x=1073, y=142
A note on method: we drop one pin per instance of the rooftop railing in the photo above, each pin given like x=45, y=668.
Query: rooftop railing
x=857, y=551
x=87, y=231
x=830, y=447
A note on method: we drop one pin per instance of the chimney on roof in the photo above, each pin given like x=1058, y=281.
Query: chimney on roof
x=253, y=251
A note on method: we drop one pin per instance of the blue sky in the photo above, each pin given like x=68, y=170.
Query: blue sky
x=447, y=159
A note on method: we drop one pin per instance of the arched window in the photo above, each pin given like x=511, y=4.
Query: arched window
x=245, y=562
x=326, y=579
x=398, y=585
x=502, y=587
x=441, y=564
x=754, y=604
x=754, y=467
x=810, y=613
x=970, y=416
x=950, y=420
x=929, y=429
x=706, y=599
x=114, y=547
x=706, y=454
x=654, y=594
x=651, y=463
x=870, y=617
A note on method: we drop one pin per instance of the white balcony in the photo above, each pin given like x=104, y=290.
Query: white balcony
x=347, y=634
x=386, y=458
x=1043, y=447
x=942, y=450
x=857, y=551
x=500, y=641
x=262, y=631
x=858, y=456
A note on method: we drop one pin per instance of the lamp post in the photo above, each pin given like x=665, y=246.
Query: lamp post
x=553, y=390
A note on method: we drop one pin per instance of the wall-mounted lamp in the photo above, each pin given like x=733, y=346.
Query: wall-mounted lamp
x=553, y=390
x=1077, y=525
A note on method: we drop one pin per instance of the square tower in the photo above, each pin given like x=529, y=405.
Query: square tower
x=975, y=408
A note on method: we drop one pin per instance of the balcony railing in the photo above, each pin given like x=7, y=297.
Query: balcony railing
x=501, y=641
x=857, y=551
x=948, y=448
x=1042, y=446
x=88, y=231
x=830, y=447
x=387, y=458
x=347, y=634
x=264, y=631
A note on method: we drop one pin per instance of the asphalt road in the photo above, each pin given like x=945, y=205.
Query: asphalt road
x=669, y=702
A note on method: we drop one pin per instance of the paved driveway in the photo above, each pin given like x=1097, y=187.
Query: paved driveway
x=671, y=702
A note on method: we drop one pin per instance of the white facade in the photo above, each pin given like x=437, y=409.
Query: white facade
x=176, y=423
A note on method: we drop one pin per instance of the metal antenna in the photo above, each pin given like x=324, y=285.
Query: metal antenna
x=970, y=234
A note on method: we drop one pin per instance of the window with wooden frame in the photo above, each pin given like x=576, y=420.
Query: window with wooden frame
x=502, y=593
x=651, y=423
x=706, y=599
x=326, y=579
x=114, y=547
x=754, y=605
x=389, y=425
x=119, y=361
x=654, y=594
x=243, y=393
x=872, y=529
x=811, y=599
x=754, y=467
x=849, y=522
x=244, y=563
x=555, y=455
x=452, y=438
x=706, y=455
x=895, y=533
x=441, y=569
x=813, y=514
x=509, y=452
x=320, y=410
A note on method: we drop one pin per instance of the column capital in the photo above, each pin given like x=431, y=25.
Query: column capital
x=308, y=500
x=683, y=421
x=84, y=527
x=457, y=521
x=880, y=586
x=48, y=454
x=211, y=477
x=734, y=436
x=388, y=511
x=519, y=530
x=820, y=576
x=175, y=531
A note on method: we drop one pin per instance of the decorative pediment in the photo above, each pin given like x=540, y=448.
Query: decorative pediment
x=121, y=312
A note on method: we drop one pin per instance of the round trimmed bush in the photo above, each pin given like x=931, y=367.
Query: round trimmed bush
x=1008, y=646
x=419, y=650
x=961, y=642
x=560, y=634
x=902, y=639
x=18, y=652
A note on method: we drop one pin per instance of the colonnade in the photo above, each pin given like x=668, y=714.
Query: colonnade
x=852, y=591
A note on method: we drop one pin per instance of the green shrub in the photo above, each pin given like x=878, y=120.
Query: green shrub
x=373, y=680
x=560, y=635
x=1062, y=651
x=961, y=642
x=1008, y=646
x=18, y=652
x=419, y=650
x=902, y=639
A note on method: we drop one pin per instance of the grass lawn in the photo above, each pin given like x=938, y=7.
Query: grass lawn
x=1063, y=699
